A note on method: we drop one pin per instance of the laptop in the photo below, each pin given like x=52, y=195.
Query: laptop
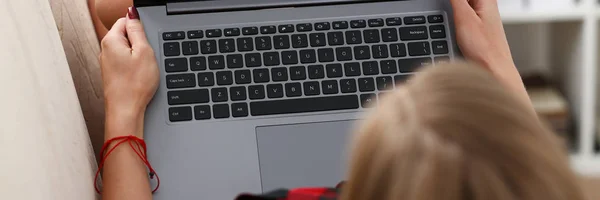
x=257, y=95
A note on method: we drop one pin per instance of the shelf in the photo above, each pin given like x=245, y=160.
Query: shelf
x=529, y=16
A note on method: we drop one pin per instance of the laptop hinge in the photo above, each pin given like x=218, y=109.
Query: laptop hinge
x=144, y=3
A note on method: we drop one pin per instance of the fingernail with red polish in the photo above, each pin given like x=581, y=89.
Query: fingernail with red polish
x=133, y=13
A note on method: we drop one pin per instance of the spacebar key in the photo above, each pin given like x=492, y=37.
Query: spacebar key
x=304, y=105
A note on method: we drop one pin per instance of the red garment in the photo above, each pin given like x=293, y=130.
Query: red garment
x=297, y=194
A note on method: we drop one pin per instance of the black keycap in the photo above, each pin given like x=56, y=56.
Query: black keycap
x=330, y=87
x=235, y=61
x=289, y=57
x=343, y=53
x=219, y=94
x=308, y=56
x=311, y=88
x=304, y=27
x=198, y=63
x=287, y=28
x=263, y=43
x=245, y=44
x=380, y=51
x=256, y=92
x=348, y=85
x=281, y=42
x=317, y=39
x=316, y=72
x=352, y=69
x=412, y=64
x=232, y=32
x=389, y=35
x=177, y=114
x=268, y=29
x=250, y=30
x=195, y=34
x=189, y=48
x=358, y=23
x=340, y=25
x=353, y=37
x=208, y=46
x=401, y=78
x=243, y=77
x=375, y=22
x=413, y=33
x=178, y=35
x=171, y=49
x=224, y=78
x=226, y=45
x=419, y=48
x=385, y=83
x=370, y=68
x=253, y=60
x=334, y=70
x=237, y=93
x=176, y=65
x=371, y=36
x=362, y=52
x=393, y=21
x=442, y=59
x=335, y=38
x=439, y=47
x=388, y=66
x=322, y=26
x=293, y=89
x=212, y=33
x=275, y=91
x=202, y=112
x=437, y=31
x=239, y=110
x=299, y=41
x=221, y=111
x=188, y=96
x=435, y=18
x=271, y=58
x=261, y=75
x=181, y=81
x=303, y=105
x=206, y=79
x=326, y=55
x=216, y=62
x=368, y=100
x=279, y=74
x=414, y=20
x=398, y=50
x=298, y=73
x=366, y=84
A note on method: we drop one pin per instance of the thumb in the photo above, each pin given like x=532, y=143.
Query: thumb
x=135, y=30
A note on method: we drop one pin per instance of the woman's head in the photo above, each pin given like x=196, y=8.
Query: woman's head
x=453, y=132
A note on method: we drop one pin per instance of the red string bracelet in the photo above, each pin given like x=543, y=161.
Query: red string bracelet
x=139, y=149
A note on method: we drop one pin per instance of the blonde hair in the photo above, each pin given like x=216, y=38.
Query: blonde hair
x=454, y=133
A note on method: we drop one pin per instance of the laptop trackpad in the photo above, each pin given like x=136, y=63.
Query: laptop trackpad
x=303, y=155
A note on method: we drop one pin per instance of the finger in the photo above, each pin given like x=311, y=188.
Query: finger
x=135, y=30
x=116, y=36
x=463, y=12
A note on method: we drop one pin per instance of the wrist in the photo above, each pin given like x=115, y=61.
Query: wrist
x=121, y=121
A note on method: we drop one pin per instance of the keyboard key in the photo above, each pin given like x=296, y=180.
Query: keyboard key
x=412, y=64
x=293, y=89
x=256, y=92
x=198, y=63
x=287, y=28
x=178, y=114
x=253, y=60
x=308, y=56
x=368, y=100
x=245, y=44
x=221, y=111
x=298, y=73
x=439, y=47
x=216, y=62
x=179, y=35
x=304, y=27
x=442, y=59
x=243, y=77
x=289, y=57
x=435, y=19
x=271, y=58
x=414, y=20
x=212, y=33
x=388, y=67
x=375, y=22
x=250, y=30
x=437, y=31
x=419, y=48
x=239, y=110
x=398, y=50
x=370, y=68
x=317, y=39
x=326, y=55
x=219, y=94
x=312, y=88
x=393, y=21
x=208, y=46
x=202, y=112
x=268, y=29
x=401, y=78
x=281, y=42
x=263, y=43
x=343, y=53
x=171, y=49
x=224, y=78
x=274, y=91
x=195, y=34
x=334, y=70
x=358, y=23
x=206, y=79
x=330, y=87
x=385, y=83
x=348, y=85
x=380, y=51
x=176, y=65
x=188, y=97
x=340, y=25
x=235, y=61
x=413, y=33
x=371, y=36
x=362, y=52
x=335, y=38
x=316, y=72
x=353, y=37
x=366, y=84
x=299, y=41
x=237, y=93
x=226, y=45
x=279, y=74
x=303, y=105
x=232, y=32
x=389, y=35
x=322, y=26
x=181, y=81
x=190, y=48
x=352, y=69
x=261, y=75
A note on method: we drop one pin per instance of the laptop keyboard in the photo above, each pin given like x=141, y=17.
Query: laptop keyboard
x=274, y=69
